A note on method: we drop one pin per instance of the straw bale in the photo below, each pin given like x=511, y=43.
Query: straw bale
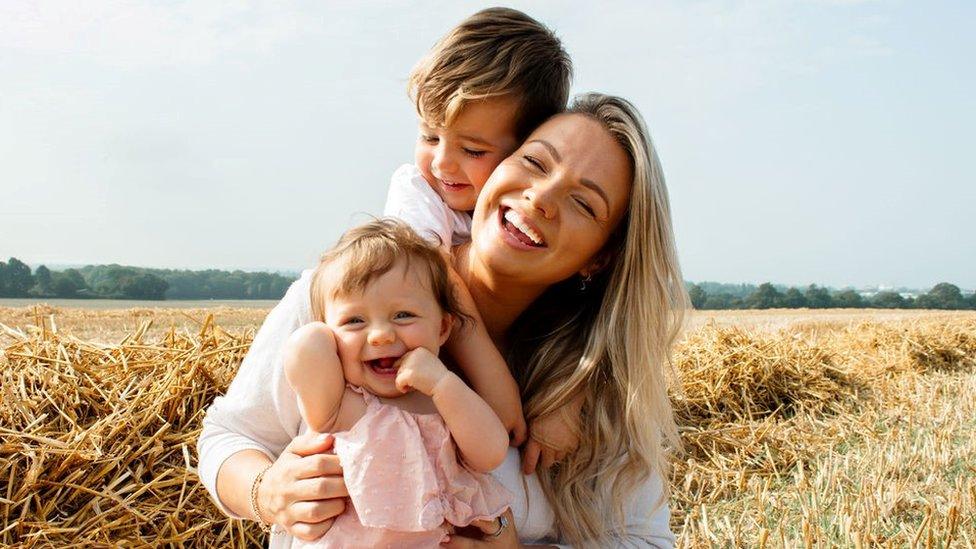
x=98, y=441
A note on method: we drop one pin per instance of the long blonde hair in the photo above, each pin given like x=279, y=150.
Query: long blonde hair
x=611, y=343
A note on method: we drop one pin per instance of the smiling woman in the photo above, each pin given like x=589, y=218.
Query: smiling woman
x=582, y=200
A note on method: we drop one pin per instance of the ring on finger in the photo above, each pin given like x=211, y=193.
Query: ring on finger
x=502, y=524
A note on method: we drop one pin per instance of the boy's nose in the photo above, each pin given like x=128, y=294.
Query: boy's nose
x=444, y=162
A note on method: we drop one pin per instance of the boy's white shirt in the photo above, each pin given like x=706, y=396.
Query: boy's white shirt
x=412, y=199
x=260, y=409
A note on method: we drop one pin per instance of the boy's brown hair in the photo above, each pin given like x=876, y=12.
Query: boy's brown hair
x=371, y=250
x=497, y=51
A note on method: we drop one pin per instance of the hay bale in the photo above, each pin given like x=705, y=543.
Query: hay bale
x=99, y=441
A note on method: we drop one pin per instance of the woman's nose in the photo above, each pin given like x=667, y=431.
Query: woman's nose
x=380, y=335
x=541, y=197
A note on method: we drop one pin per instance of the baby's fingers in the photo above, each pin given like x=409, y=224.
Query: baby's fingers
x=518, y=434
x=403, y=380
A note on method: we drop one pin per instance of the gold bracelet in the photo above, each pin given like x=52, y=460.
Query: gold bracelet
x=265, y=527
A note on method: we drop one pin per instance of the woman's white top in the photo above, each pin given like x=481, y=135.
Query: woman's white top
x=411, y=199
x=260, y=412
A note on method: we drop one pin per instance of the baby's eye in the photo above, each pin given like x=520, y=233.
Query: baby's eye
x=351, y=321
x=474, y=153
x=401, y=315
x=429, y=139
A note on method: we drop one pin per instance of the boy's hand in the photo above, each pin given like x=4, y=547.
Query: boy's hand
x=552, y=437
x=421, y=370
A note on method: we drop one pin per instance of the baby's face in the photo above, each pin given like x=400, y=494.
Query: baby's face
x=396, y=313
x=456, y=160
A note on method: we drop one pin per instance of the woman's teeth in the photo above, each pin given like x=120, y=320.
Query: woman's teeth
x=516, y=220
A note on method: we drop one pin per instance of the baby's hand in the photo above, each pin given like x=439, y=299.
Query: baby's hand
x=420, y=369
x=552, y=437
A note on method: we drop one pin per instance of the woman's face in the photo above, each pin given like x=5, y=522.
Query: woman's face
x=549, y=208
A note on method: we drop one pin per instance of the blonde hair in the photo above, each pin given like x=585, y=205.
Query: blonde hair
x=495, y=52
x=370, y=250
x=612, y=344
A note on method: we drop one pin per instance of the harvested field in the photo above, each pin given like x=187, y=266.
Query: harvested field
x=815, y=428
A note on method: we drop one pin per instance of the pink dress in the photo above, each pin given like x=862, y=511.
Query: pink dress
x=404, y=480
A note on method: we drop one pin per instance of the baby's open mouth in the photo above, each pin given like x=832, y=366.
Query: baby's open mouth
x=386, y=366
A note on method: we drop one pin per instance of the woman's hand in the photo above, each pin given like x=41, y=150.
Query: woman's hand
x=485, y=531
x=552, y=437
x=303, y=491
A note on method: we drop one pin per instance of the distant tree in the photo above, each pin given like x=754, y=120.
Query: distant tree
x=143, y=286
x=942, y=296
x=697, y=295
x=766, y=296
x=68, y=283
x=818, y=298
x=721, y=301
x=848, y=299
x=888, y=300
x=17, y=278
x=971, y=301
x=794, y=299
x=42, y=282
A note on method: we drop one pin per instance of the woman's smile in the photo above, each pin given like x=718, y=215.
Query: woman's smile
x=519, y=231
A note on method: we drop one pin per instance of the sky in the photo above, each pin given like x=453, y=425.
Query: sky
x=824, y=142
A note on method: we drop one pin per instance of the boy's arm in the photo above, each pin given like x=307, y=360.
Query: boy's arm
x=476, y=355
x=481, y=439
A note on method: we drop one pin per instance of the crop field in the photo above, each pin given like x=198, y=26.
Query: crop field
x=851, y=428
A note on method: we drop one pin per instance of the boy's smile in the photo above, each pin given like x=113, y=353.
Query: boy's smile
x=456, y=160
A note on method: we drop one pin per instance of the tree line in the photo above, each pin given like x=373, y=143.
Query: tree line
x=767, y=296
x=122, y=282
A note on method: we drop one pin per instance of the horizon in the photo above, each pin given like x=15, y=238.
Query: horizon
x=825, y=141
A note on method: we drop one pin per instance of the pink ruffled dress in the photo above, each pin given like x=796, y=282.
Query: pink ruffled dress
x=404, y=481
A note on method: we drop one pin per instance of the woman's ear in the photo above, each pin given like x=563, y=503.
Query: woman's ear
x=597, y=264
x=447, y=322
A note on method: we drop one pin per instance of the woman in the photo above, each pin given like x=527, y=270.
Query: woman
x=587, y=318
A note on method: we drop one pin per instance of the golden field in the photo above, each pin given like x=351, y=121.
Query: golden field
x=801, y=428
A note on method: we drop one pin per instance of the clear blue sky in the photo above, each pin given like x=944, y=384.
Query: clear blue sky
x=815, y=141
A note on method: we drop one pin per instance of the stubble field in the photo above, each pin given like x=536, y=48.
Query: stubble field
x=800, y=428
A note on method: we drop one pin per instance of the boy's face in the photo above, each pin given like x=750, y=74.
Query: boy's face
x=395, y=313
x=456, y=160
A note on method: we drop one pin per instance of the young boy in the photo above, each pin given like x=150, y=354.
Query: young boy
x=479, y=93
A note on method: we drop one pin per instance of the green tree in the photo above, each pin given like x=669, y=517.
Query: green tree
x=888, y=300
x=697, y=295
x=17, y=279
x=942, y=296
x=68, y=283
x=794, y=299
x=766, y=296
x=42, y=282
x=818, y=298
x=848, y=299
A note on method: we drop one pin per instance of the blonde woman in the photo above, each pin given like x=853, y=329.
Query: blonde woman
x=586, y=315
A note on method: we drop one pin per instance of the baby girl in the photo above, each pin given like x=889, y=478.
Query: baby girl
x=415, y=442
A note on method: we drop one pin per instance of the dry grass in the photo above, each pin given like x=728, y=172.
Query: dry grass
x=799, y=431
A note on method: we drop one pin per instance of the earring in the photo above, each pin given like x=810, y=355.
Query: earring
x=584, y=280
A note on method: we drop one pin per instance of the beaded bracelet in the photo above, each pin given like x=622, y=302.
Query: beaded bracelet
x=265, y=527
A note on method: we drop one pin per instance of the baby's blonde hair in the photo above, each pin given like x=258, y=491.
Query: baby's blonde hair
x=495, y=52
x=370, y=250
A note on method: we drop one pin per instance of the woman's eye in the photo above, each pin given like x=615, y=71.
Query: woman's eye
x=474, y=153
x=403, y=315
x=586, y=207
x=535, y=163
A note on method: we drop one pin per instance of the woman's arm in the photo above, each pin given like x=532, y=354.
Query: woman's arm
x=480, y=436
x=249, y=427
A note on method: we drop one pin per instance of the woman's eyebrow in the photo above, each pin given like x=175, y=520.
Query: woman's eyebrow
x=590, y=184
x=548, y=145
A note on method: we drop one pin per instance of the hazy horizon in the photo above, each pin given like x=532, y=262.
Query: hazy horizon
x=820, y=142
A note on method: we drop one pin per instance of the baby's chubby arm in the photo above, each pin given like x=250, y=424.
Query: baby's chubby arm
x=480, y=436
x=313, y=370
x=486, y=369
